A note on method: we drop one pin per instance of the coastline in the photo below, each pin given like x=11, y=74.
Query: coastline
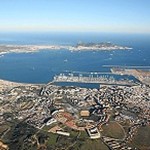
x=5, y=84
x=4, y=49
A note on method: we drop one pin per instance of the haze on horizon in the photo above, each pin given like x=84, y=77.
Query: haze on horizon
x=129, y=16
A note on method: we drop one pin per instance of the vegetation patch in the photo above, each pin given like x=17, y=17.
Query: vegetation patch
x=93, y=145
x=142, y=138
x=114, y=130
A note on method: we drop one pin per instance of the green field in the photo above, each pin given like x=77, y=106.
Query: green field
x=77, y=141
x=94, y=145
x=142, y=138
x=52, y=139
x=113, y=130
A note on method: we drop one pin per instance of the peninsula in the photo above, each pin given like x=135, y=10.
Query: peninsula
x=78, y=47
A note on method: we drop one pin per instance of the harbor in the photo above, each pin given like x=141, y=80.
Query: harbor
x=93, y=77
x=143, y=75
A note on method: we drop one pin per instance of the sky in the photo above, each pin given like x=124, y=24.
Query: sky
x=131, y=16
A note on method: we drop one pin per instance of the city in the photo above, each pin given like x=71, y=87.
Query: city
x=73, y=112
x=74, y=75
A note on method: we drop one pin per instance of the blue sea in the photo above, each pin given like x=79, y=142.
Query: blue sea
x=40, y=67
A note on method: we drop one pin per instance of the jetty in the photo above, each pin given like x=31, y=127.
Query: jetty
x=126, y=67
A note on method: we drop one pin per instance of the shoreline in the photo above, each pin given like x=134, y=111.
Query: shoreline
x=5, y=84
x=5, y=49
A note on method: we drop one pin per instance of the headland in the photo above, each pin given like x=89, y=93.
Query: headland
x=79, y=47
